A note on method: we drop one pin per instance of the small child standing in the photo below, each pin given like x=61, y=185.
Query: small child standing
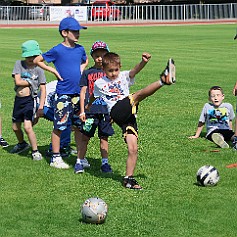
x=65, y=139
x=114, y=90
x=28, y=79
x=218, y=117
x=98, y=114
x=69, y=59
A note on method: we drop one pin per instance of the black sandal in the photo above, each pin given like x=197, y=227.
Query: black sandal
x=130, y=182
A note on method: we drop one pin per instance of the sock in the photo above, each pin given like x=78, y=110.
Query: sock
x=34, y=151
x=161, y=82
x=104, y=161
x=80, y=161
x=0, y=136
x=55, y=155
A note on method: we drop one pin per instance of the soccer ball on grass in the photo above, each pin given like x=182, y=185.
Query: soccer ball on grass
x=208, y=175
x=94, y=211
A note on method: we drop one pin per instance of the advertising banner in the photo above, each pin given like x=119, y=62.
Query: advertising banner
x=58, y=13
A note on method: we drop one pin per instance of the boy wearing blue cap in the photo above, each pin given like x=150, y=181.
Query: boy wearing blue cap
x=69, y=59
x=98, y=115
x=28, y=79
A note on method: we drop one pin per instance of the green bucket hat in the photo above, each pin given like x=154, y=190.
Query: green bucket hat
x=30, y=48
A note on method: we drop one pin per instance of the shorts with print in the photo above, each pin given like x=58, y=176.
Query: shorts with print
x=226, y=133
x=103, y=122
x=122, y=114
x=66, y=109
x=24, y=109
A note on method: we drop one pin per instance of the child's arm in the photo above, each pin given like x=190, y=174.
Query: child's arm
x=40, y=111
x=21, y=82
x=199, y=130
x=39, y=60
x=145, y=58
x=84, y=65
x=91, y=100
x=230, y=125
x=235, y=89
x=82, y=115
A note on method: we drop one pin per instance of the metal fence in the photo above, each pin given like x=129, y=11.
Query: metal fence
x=129, y=13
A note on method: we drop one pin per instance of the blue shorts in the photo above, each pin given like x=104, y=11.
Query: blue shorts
x=102, y=121
x=24, y=109
x=66, y=109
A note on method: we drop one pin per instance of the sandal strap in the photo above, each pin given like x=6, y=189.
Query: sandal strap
x=131, y=182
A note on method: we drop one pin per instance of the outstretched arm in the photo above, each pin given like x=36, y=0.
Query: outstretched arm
x=145, y=58
x=198, y=131
x=39, y=60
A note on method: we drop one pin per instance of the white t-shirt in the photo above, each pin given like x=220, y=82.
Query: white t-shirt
x=50, y=94
x=217, y=118
x=113, y=90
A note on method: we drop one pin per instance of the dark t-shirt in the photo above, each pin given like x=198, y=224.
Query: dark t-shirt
x=88, y=79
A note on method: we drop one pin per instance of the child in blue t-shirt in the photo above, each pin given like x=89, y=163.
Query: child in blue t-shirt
x=98, y=116
x=69, y=59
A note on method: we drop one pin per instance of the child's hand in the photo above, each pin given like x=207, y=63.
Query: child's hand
x=55, y=72
x=82, y=117
x=234, y=91
x=193, y=137
x=146, y=57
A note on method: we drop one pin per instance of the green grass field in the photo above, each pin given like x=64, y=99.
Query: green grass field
x=37, y=200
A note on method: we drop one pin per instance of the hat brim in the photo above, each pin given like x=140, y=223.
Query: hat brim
x=31, y=53
x=92, y=51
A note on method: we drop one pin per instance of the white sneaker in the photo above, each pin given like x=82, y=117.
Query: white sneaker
x=57, y=162
x=37, y=156
x=168, y=75
x=85, y=163
x=218, y=139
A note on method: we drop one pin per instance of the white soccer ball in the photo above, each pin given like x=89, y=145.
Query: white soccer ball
x=94, y=210
x=208, y=175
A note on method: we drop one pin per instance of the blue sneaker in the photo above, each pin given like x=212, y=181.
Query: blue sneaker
x=78, y=168
x=106, y=168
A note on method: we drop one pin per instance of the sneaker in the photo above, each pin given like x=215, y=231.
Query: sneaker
x=20, y=147
x=3, y=143
x=106, y=168
x=168, y=75
x=37, y=156
x=57, y=162
x=49, y=153
x=85, y=163
x=235, y=143
x=130, y=182
x=218, y=139
x=78, y=168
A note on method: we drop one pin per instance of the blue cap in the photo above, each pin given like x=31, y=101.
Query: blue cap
x=70, y=23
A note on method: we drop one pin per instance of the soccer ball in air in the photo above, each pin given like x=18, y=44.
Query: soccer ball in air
x=207, y=175
x=94, y=210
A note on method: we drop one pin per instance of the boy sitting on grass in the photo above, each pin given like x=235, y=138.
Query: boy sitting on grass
x=218, y=117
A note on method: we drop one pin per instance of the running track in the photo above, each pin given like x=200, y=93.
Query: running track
x=120, y=24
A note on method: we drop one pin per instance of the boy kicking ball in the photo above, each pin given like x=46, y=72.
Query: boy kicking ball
x=114, y=90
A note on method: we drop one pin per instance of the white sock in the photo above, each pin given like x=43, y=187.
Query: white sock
x=80, y=161
x=104, y=161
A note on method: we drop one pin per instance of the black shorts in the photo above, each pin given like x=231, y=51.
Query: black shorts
x=227, y=134
x=122, y=114
x=24, y=109
x=103, y=122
